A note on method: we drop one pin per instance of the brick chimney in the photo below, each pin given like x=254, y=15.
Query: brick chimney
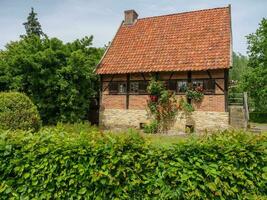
x=130, y=16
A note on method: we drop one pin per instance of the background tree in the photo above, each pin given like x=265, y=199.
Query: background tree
x=239, y=67
x=32, y=26
x=255, y=79
x=58, y=77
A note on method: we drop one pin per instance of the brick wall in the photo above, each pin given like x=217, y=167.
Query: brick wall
x=214, y=103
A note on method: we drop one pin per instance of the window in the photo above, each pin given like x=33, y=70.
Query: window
x=181, y=86
x=178, y=86
x=113, y=87
x=172, y=85
x=206, y=85
x=117, y=88
x=138, y=87
x=143, y=87
x=209, y=86
x=197, y=84
x=134, y=87
x=122, y=88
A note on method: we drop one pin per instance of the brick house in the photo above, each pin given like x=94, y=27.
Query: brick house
x=180, y=49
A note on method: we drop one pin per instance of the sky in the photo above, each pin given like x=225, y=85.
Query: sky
x=72, y=19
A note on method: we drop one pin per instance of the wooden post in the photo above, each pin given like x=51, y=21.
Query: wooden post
x=246, y=106
x=189, y=82
x=127, y=91
x=226, y=79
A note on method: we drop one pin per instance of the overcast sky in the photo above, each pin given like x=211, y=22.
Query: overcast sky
x=71, y=19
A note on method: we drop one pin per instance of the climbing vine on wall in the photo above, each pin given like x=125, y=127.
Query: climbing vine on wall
x=162, y=107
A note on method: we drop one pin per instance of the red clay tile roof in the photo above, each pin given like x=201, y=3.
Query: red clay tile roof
x=197, y=40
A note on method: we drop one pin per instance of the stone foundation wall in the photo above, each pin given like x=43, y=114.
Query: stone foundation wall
x=201, y=120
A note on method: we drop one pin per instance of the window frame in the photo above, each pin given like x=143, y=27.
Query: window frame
x=117, y=91
x=139, y=91
x=207, y=92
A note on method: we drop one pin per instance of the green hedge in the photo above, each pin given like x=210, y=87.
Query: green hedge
x=18, y=112
x=59, y=163
x=258, y=117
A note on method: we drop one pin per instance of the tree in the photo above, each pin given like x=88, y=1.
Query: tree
x=255, y=79
x=239, y=67
x=32, y=26
x=58, y=77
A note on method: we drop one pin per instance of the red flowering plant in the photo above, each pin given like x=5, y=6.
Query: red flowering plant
x=162, y=105
x=195, y=94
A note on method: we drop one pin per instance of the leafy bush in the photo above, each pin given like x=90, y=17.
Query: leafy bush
x=194, y=95
x=18, y=112
x=56, y=163
x=258, y=117
x=151, y=127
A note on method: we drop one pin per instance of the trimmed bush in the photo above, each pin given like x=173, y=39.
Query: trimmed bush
x=56, y=163
x=258, y=117
x=18, y=112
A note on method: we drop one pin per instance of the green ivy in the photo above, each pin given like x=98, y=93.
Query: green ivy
x=83, y=163
x=194, y=95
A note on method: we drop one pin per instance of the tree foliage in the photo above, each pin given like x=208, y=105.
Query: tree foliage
x=32, y=26
x=255, y=79
x=58, y=77
x=239, y=67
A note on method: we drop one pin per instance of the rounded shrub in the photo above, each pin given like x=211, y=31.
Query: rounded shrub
x=17, y=111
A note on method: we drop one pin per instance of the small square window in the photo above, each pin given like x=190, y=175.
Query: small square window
x=142, y=87
x=172, y=85
x=209, y=85
x=134, y=87
x=113, y=87
x=197, y=84
x=181, y=86
x=122, y=88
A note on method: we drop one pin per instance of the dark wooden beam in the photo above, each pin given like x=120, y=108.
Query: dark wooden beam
x=209, y=74
x=226, y=82
x=157, y=76
x=143, y=76
x=108, y=83
x=171, y=76
x=127, y=90
x=189, y=82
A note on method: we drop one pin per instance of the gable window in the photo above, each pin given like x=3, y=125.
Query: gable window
x=117, y=88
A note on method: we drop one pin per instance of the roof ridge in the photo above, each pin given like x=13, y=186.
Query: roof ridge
x=185, y=12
